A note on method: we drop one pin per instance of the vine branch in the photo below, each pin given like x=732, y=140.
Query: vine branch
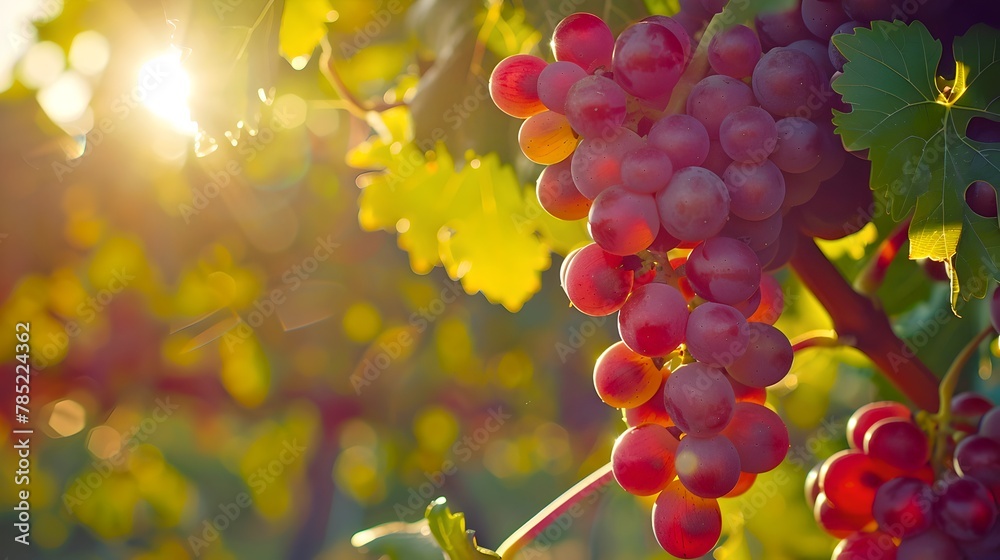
x=822, y=338
x=857, y=317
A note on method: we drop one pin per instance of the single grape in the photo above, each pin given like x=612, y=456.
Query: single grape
x=653, y=410
x=514, y=85
x=989, y=426
x=760, y=437
x=546, y=138
x=595, y=107
x=978, y=457
x=694, y=205
x=748, y=135
x=596, y=163
x=734, y=52
x=965, y=509
x=757, y=234
x=902, y=507
x=786, y=82
x=772, y=301
x=819, y=54
x=799, y=146
x=699, y=399
x=708, y=467
x=624, y=379
x=564, y=266
x=648, y=61
x=865, y=417
x=554, y=83
x=682, y=137
x=679, y=31
x=723, y=270
x=715, y=97
x=653, y=320
x=898, y=442
x=982, y=199
x=642, y=459
x=929, y=545
x=875, y=545
x=767, y=360
x=685, y=525
x=646, y=170
x=717, y=334
x=585, y=40
x=988, y=548
x=821, y=17
x=837, y=59
x=756, y=190
x=558, y=195
x=623, y=222
x=596, y=282
x=967, y=409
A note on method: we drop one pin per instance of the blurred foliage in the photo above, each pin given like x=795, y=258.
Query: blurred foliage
x=227, y=365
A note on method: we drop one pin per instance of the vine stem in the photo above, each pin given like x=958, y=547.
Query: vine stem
x=822, y=338
x=856, y=317
x=594, y=482
x=947, y=390
x=872, y=275
x=354, y=105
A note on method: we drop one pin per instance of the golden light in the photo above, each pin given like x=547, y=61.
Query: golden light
x=164, y=87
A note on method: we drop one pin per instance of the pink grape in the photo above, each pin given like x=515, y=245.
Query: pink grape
x=898, y=442
x=585, y=40
x=653, y=320
x=748, y=135
x=555, y=81
x=708, y=467
x=514, y=85
x=558, y=195
x=822, y=17
x=624, y=379
x=781, y=28
x=755, y=190
x=595, y=106
x=715, y=97
x=734, y=52
x=867, y=415
x=682, y=137
x=767, y=360
x=623, y=222
x=723, y=270
x=965, y=509
x=967, y=409
x=642, y=459
x=760, y=437
x=717, y=334
x=699, y=399
x=785, y=81
x=596, y=163
x=685, y=525
x=799, y=145
x=648, y=61
x=646, y=170
x=902, y=506
x=694, y=205
x=596, y=281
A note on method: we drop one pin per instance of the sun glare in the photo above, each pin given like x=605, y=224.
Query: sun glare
x=164, y=87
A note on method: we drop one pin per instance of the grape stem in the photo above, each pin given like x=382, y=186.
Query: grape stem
x=947, y=390
x=593, y=483
x=822, y=338
x=872, y=275
x=354, y=105
x=856, y=317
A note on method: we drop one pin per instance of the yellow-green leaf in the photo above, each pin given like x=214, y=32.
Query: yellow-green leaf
x=303, y=24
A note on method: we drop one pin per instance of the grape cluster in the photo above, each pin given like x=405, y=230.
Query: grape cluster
x=884, y=499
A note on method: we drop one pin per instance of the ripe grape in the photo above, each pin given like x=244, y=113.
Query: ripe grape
x=836, y=521
x=694, y=205
x=822, y=17
x=546, y=138
x=898, y=442
x=554, y=83
x=865, y=417
x=742, y=485
x=786, y=82
x=715, y=97
x=756, y=190
x=989, y=426
x=558, y=195
x=623, y=222
x=902, y=507
x=746, y=393
x=748, y=135
x=583, y=39
x=682, y=137
x=717, y=334
x=850, y=479
x=699, y=399
x=757, y=234
x=760, y=437
x=837, y=59
x=723, y=270
x=708, y=467
x=929, y=545
x=653, y=410
x=596, y=282
x=772, y=301
x=653, y=320
x=595, y=107
x=646, y=170
x=734, y=52
x=812, y=490
x=675, y=27
x=967, y=409
x=982, y=199
x=514, y=85
x=624, y=379
x=767, y=360
x=965, y=509
x=642, y=459
x=664, y=241
x=685, y=525
x=979, y=457
x=648, y=61
x=866, y=546
x=799, y=146
x=781, y=28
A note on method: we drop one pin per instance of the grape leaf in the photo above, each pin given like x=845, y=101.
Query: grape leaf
x=303, y=25
x=915, y=132
x=449, y=530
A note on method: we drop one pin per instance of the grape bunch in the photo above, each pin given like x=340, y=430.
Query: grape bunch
x=883, y=498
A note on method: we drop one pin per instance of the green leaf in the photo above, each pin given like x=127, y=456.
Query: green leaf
x=449, y=530
x=303, y=24
x=922, y=161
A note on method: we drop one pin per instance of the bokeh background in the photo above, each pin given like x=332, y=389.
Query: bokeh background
x=219, y=327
